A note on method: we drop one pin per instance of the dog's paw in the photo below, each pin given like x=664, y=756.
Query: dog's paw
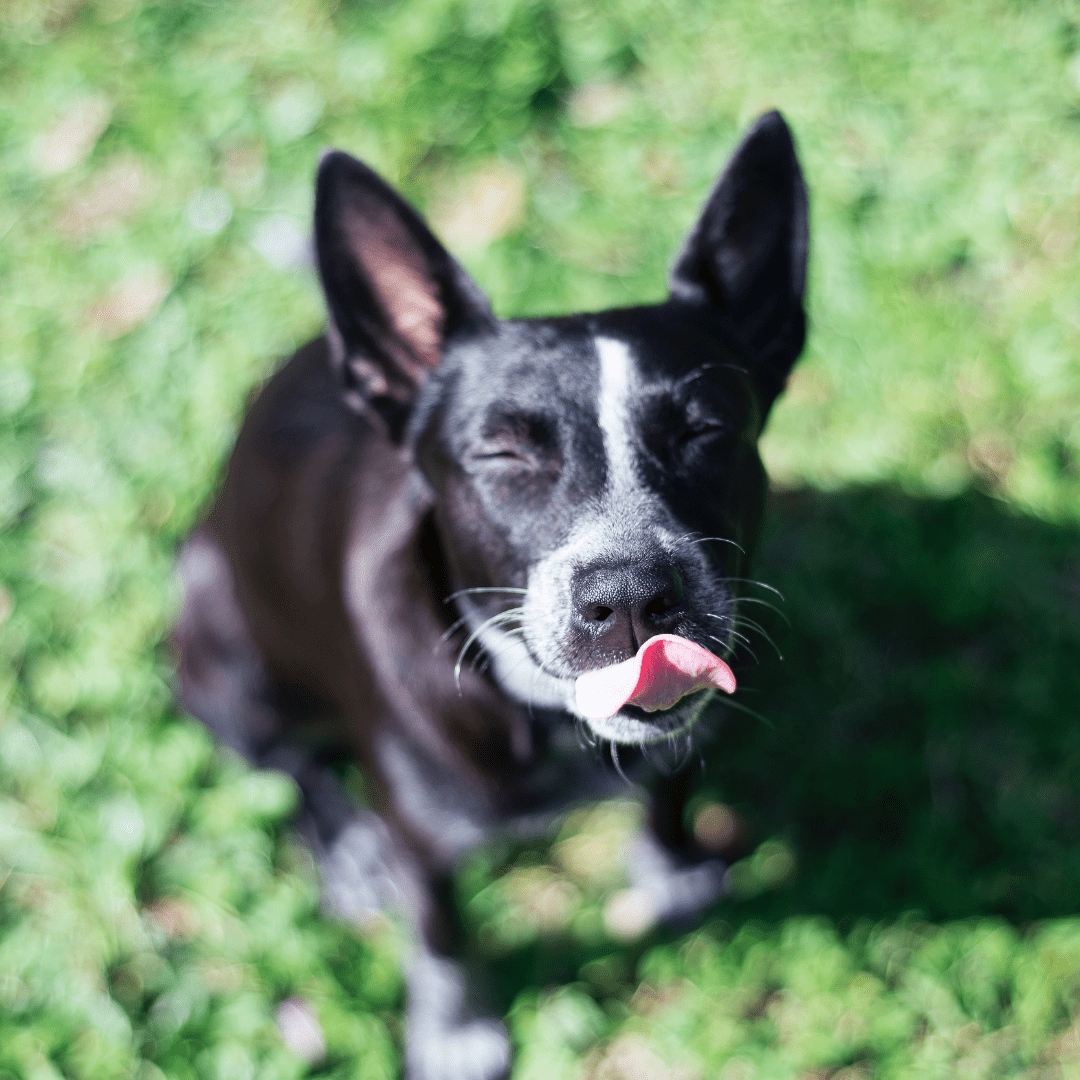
x=477, y=1050
x=662, y=890
x=442, y=1041
x=358, y=882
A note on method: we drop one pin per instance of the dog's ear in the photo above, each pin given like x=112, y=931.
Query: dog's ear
x=747, y=254
x=393, y=292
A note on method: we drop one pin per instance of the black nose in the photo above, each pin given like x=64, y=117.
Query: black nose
x=622, y=606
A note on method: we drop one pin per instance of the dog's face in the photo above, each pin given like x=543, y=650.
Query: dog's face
x=596, y=477
x=606, y=466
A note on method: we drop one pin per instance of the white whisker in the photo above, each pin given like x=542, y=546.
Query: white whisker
x=615, y=760
x=485, y=589
x=720, y=540
x=511, y=615
x=765, y=603
x=739, y=707
x=760, y=584
x=758, y=628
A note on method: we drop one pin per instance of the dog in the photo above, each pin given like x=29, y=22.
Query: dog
x=445, y=544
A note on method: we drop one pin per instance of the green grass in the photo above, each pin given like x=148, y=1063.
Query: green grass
x=908, y=844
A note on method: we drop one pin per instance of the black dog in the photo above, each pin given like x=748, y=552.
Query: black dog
x=573, y=498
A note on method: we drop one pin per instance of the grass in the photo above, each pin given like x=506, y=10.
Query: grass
x=904, y=825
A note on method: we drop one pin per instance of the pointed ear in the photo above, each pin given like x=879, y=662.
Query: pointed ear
x=747, y=254
x=393, y=293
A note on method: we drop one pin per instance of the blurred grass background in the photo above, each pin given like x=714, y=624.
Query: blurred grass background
x=905, y=827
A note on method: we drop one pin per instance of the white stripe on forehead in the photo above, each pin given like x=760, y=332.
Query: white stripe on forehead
x=617, y=378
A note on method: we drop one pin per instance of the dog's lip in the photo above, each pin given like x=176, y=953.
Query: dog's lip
x=664, y=670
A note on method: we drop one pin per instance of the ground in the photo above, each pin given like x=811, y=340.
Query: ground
x=901, y=802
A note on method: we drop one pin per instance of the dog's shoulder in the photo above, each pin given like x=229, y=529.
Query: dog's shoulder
x=298, y=409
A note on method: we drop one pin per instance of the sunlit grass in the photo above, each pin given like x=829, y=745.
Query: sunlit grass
x=918, y=765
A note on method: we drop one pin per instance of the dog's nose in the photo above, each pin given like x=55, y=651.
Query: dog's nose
x=622, y=606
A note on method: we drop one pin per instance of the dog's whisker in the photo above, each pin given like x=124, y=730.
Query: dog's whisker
x=495, y=620
x=720, y=540
x=615, y=761
x=489, y=657
x=585, y=737
x=505, y=618
x=753, y=624
x=544, y=668
x=449, y=631
x=760, y=584
x=738, y=706
x=729, y=620
x=744, y=643
x=646, y=752
x=730, y=649
x=517, y=633
x=669, y=760
x=682, y=755
x=759, y=629
x=727, y=648
x=765, y=603
x=687, y=538
x=485, y=589
x=499, y=619
x=651, y=753
x=534, y=672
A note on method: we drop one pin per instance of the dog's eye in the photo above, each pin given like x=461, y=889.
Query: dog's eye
x=500, y=455
x=515, y=439
x=698, y=430
x=502, y=452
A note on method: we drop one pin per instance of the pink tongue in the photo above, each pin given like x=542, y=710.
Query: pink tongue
x=665, y=670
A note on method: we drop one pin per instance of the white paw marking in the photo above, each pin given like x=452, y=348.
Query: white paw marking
x=478, y=1050
x=662, y=891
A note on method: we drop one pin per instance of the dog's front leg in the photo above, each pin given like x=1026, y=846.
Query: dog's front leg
x=672, y=877
x=367, y=868
x=444, y=1039
x=447, y=1035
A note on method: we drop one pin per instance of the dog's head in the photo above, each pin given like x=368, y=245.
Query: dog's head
x=597, y=481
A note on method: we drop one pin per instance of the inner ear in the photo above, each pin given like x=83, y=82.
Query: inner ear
x=400, y=279
x=393, y=293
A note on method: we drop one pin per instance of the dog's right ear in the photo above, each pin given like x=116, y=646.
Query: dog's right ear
x=393, y=293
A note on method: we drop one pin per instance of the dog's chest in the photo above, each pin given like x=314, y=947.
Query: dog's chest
x=454, y=810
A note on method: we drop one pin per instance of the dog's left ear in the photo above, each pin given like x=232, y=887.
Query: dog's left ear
x=393, y=292
x=747, y=254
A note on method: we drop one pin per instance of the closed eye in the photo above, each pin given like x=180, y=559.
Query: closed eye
x=505, y=452
x=504, y=455
x=516, y=438
x=700, y=430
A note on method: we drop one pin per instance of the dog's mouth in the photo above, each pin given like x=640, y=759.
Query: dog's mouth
x=664, y=670
x=659, y=692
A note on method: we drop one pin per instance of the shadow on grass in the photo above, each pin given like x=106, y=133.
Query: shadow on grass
x=920, y=751
x=923, y=745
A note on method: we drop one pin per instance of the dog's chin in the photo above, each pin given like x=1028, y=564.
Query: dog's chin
x=632, y=726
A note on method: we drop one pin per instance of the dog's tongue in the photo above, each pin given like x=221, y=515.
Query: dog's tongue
x=665, y=669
